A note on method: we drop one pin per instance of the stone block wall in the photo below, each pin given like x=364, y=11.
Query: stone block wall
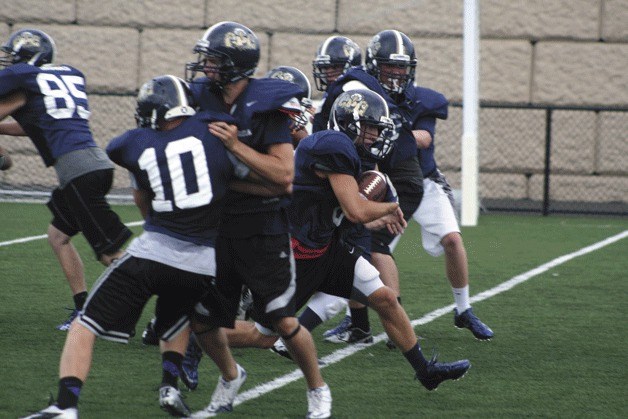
x=556, y=52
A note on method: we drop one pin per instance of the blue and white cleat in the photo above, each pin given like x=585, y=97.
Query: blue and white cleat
x=189, y=366
x=470, y=321
x=65, y=326
x=342, y=327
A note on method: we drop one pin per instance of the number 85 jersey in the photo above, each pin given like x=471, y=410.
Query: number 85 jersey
x=56, y=113
x=185, y=170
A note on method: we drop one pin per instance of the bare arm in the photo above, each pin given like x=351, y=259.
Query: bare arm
x=422, y=137
x=276, y=166
x=355, y=208
x=12, y=128
x=11, y=103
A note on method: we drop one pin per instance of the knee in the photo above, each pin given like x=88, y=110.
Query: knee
x=57, y=238
x=286, y=326
x=383, y=299
x=452, y=242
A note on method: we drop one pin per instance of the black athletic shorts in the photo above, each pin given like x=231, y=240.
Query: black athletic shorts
x=264, y=263
x=81, y=206
x=116, y=300
x=407, y=179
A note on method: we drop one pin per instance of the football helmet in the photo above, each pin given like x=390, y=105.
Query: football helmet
x=395, y=50
x=227, y=52
x=30, y=46
x=353, y=110
x=296, y=76
x=163, y=98
x=337, y=53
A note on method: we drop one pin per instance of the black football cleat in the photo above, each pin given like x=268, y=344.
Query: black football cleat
x=437, y=372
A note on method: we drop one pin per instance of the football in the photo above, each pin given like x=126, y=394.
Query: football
x=372, y=185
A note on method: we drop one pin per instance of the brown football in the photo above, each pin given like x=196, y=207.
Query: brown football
x=372, y=185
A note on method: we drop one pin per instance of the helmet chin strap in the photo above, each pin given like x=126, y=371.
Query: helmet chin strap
x=34, y=59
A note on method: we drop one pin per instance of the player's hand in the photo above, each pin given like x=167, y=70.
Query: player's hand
x=227, y=133
x=399, y=224
x=394, y=222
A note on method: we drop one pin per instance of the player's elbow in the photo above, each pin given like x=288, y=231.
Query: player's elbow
x=285, y=180
x=356, y=215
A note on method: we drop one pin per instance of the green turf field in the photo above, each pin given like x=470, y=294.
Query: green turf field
x=559, y=348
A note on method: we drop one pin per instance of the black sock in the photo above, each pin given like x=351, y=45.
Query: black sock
x=69, y=390
x=79, y=300
x=171, y=366
x=417, y=360
x=360, y=318
x=309, y=319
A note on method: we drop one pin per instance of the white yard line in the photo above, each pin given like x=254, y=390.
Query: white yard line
x=340, y=354
x=43, y=236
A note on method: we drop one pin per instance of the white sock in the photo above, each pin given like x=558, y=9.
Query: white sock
x=461, y=297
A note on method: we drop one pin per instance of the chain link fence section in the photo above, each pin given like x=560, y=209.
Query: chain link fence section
x=545, y=159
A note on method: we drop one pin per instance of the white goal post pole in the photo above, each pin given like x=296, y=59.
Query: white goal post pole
x=470, y=108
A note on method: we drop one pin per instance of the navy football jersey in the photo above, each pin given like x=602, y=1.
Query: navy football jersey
x=186, y=170
x=414, y=112
x=423, y=107
x=56, y=113
x=261, y=114
x=315, y=212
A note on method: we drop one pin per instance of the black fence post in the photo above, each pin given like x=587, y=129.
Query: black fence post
x=548, y=149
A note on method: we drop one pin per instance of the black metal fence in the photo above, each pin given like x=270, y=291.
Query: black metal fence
x=552, y=159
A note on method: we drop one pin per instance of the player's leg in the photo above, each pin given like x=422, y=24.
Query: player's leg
x=441, y=235
x=60, y=232
x=101, y=226
x=110, y=312
x=300, y=344
x=69, y=259
x=355, y=326
x=246, y=334
x=207, y=327
x=396, y=323
x=272, y=278
x=172, y=353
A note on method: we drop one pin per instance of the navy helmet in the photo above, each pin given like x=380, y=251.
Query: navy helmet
x=30, y=46
x=233, y=46
x=391, y=48
x=353, y=110
x=336, y=52
x=162, y=99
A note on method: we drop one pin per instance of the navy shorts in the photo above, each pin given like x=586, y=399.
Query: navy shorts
x=264, y=263
x=116, y=300
x=81, y=207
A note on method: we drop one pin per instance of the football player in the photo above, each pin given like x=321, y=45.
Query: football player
x=253, y=245
x=298, y=130
x=179, y=175
x=333, y=58
x=326, y=191
x=424, y=193
x=49, y=105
